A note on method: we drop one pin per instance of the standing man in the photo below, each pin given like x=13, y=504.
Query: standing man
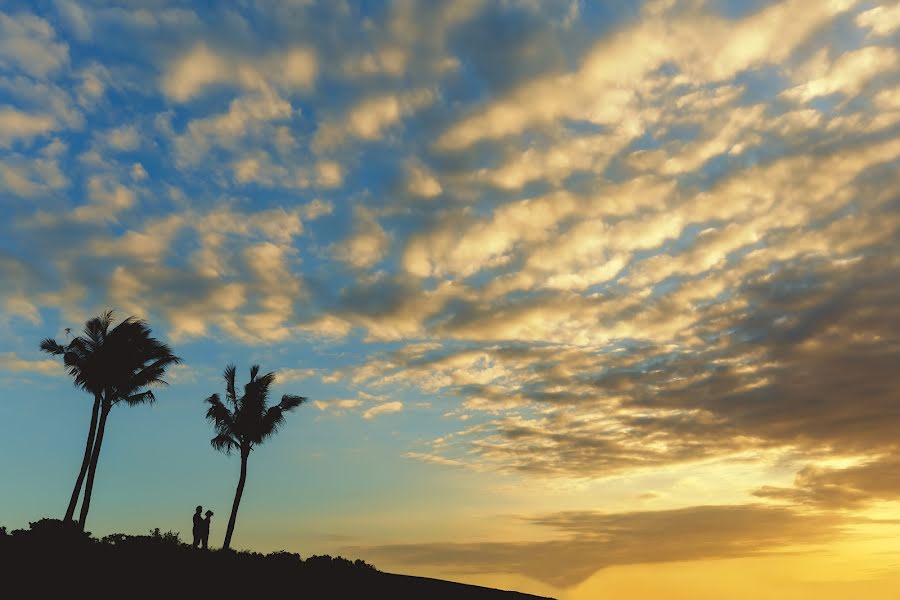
x=198, y=527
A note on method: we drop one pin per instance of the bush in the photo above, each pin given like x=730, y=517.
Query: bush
x=55, y=529
x=283, y=557
x=338, y=563
x=155, y=537
x=169, y=537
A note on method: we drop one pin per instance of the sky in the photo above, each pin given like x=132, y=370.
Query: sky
x=588, y=298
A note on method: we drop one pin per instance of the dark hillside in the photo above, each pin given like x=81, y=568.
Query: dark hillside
x=50, y=558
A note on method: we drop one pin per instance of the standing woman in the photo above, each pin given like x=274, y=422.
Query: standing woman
x=205, y=529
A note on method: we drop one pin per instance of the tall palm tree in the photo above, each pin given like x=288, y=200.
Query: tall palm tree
x=116, y=366
x=245, y=422
x=80, y=358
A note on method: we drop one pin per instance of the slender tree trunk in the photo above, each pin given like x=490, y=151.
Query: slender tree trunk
x=92, y=470
x=237, y=500
x=88, y=449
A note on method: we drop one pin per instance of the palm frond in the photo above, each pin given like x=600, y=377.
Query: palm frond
x=51, y=346
x=254, y=371
x=224, y=443
x=273, y=418
x=133, y=359
x=290, y=402
x=145, y=397
x=257, y=391
x=96, y=329
x=218, y=413
x=269, y=424
x=152, y=373
x=231, y=394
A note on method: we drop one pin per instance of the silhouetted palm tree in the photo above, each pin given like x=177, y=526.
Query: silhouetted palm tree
x=249, y=422
x=115, y=365
x=80, y=357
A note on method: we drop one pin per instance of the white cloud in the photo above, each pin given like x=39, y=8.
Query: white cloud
x=421, y=182
x=93, y=84
x=138, y=172
x=76, y=18
x=371, y=117
x=881, y=20
x=383, y=409
x=292, y=70
x=391, y=60
x=317, y=208
x=107, y=197
x=606, y=88
x=329, y=174
x=848, y=74
x=337, y=406
x=150, y=244
x=269, y=269
x=463, y=246
x=246, y=116
x=17, y=125
x=285, y=375
x=368, y=243
x=29, y=43
x=124, y=138
x=9, y=361
x=32, y=175
x=194, y=71
x=558, y=161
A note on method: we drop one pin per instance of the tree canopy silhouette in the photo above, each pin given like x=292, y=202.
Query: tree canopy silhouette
x=244, y=422
x=114, y=365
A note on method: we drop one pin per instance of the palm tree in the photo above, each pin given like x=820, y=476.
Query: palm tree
x=115, y=365
x=248, y=422
x=79, y=357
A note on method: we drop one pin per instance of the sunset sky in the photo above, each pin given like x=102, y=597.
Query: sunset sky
x=590, y=299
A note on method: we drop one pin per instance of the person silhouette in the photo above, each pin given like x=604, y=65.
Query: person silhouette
x=198, y=527
x=204, y=535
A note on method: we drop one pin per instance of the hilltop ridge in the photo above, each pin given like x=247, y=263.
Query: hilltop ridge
x=53, y=557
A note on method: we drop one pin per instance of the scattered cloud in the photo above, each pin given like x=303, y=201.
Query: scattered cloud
x=202, y=67
x=285, y=375
x=10, y=361
x=367, y=244
x=29, y=43
x=385, y=408
x=17, y=125
x=881, y=20
x=598, y=540
x=669, y=240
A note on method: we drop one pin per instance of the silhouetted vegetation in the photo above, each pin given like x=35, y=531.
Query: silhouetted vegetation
x=118, y=364
x=113, y=365
x=54, y=556
x=248, y=422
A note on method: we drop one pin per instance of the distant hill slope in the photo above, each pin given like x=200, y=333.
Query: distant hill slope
x=52, y=558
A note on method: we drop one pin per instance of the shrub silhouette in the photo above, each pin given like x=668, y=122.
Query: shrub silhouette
x=248, y=422
x=155, y=536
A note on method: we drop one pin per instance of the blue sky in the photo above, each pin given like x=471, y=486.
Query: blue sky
x=539, y=266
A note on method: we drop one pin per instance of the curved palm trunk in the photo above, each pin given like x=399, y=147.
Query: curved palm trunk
x=92, y=470
x=86, y=461
x=237, y=500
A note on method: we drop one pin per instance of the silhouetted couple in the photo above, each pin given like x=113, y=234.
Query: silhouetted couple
x=201, y=528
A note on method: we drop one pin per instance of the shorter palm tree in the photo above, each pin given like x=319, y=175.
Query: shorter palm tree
x=242, y=423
